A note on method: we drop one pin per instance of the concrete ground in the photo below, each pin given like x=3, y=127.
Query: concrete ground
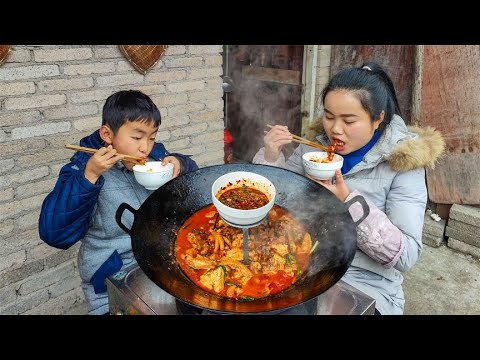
x=79, y=309
x=443, y=282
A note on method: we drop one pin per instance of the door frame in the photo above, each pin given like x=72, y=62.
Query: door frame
x=309, y=82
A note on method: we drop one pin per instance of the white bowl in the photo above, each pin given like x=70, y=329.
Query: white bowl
x=153, y=174
x=319, y=170
x=237, y=217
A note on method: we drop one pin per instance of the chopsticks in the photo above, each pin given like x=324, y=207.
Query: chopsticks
x=129, y=158
x=301, y=140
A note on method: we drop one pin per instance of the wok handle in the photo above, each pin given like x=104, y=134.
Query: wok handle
x=365, y=207
x=119, y=213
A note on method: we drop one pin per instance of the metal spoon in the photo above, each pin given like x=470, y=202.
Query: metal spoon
x=246, y=261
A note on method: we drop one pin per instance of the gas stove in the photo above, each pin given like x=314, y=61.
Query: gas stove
x=131, y=292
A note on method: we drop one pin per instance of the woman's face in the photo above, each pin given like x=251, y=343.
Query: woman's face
x=134, y=138
x=346, y=122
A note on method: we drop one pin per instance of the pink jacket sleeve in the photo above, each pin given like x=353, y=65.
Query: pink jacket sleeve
x=376, y=235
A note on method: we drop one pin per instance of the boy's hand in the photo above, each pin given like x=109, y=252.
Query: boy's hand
x=100, y=162
x=340, y=189
x=176, y=165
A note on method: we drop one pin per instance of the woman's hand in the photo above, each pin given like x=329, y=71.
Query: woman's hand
x=340, y=189
x=274, y=141
x=100, y=162
x=176, y=165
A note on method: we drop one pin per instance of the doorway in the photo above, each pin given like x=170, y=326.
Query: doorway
x=262, y=85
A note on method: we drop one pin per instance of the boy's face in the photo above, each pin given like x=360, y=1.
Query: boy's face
x=133, y=138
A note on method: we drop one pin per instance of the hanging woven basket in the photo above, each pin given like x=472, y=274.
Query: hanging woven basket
x=143, y=57
x=4, y=52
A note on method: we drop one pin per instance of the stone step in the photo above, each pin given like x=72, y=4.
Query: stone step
x=466, y=228
x=467, y=238
x=465, y=213
x=432, y=240
x=463, y=247
x=432, y=227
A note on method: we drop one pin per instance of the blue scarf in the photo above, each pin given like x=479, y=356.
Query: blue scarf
x=352, y=159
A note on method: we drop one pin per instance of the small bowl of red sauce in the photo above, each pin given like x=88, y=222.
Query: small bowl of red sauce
x=243, y=198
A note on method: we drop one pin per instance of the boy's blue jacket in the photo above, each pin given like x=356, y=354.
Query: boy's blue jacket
x=66, y=211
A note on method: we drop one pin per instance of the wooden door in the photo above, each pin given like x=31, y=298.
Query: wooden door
x=267, y=88
x=397, y=60
x=450, y=103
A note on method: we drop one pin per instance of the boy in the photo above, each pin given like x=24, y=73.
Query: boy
x=90, y=188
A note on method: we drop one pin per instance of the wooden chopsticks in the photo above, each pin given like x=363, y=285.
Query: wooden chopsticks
x=301, y=140
x=129, y=158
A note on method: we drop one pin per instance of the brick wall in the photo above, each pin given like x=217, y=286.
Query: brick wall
x=53, y=95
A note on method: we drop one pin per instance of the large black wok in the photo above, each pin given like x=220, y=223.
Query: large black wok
x=327, y=219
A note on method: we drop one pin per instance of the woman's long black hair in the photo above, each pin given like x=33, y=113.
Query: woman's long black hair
x=373, y=87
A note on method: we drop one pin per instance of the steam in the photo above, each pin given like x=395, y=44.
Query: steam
x=325, y=217
x=257, y=102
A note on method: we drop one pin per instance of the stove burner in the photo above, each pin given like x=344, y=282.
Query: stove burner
x=307, y=308
x=135, y=293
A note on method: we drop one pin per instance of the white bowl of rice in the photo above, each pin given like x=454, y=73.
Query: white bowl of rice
x=317, y=165
x=153, y=174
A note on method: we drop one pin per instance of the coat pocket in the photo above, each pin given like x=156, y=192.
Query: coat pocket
x=111, y=266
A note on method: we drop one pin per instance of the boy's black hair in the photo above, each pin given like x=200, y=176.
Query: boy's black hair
x=373, y=87
x=129, y=105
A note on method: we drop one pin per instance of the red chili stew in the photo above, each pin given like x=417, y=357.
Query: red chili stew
x=210, y=253
x=244, y=198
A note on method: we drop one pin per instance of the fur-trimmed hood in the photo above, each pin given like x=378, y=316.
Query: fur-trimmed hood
x=404, y=148
x=423, y=151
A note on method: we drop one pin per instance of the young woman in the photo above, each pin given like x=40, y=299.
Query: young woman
x=385, y=162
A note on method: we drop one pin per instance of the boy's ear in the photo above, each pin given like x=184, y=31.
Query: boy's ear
x=106, y=134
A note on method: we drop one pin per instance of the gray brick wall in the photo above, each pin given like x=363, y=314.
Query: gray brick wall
x=53, y=95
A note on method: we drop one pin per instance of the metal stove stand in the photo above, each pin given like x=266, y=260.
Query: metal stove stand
x=131, y=292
